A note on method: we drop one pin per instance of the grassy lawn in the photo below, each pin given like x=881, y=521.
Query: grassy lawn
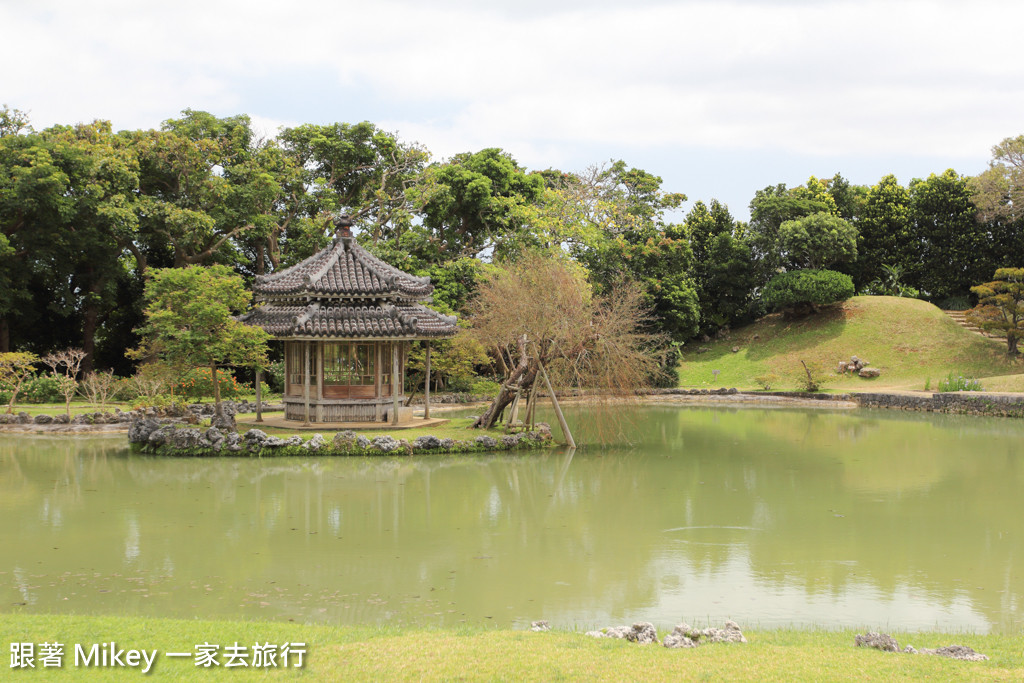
x=345, y=653
x=910, y=341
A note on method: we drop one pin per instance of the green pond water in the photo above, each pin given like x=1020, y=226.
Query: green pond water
x=770, y=517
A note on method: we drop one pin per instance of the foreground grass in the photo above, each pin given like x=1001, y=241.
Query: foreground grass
x=910, y=341
x=381, y=653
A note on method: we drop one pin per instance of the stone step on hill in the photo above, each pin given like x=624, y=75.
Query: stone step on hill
x=960, y=318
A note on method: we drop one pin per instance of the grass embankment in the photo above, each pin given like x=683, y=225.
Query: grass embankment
x=909, y=340
x=381, y=653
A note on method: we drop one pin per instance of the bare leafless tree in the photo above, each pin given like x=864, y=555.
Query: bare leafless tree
x=64, y=366
x=96, y=387
x=540, y=313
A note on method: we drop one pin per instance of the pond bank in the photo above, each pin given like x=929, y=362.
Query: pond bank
x=333, y=653
x=957, y=403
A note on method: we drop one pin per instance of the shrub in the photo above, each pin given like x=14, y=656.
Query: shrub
x=812, y=379
x=197, y=384
x=799, y=292
x=485, y=387
x=42, y=389
x=954, y=382
x=767, y=380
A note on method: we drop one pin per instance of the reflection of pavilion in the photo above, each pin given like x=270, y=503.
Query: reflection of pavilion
x=346, y=319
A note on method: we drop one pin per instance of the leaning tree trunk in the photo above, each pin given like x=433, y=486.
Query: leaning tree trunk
x=520, y=379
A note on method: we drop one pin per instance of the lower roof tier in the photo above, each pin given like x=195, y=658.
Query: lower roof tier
x=372, y=321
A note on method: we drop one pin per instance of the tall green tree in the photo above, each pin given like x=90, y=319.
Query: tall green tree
x=67, y=218
x=190, y=321
x=723, y=268
x=361, y=170
x=474, y=202
x=207, y=187
x=885, y=233
x=954, y=246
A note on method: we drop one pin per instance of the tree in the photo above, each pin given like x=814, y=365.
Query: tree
x=801, y=292
x=189, y=321
x=66, y=216
x=360, y=170
x=540, y=312
x=723, y=268
x=999, y=191
x=954, y=246
x=15, y=369
x=773, y=206
x=64, y=366
x=473, y=202
x=1000, y=306
x=817, y=241
x=612, y=220
x=885, y=233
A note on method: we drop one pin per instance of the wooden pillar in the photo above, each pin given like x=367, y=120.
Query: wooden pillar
x=305, y=384
x=319, y=382
x=259, y=395
x=378, y=381
x=395, y=383
x=426, y=388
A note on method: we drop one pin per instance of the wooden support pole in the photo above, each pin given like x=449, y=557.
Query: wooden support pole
x=558, y=409
x=426, y=388
x=514, y=413
x=305, y=385
x=395, y=383
x=259, y=395
x=531, y=408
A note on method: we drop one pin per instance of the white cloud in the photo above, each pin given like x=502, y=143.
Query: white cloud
x=833, y=78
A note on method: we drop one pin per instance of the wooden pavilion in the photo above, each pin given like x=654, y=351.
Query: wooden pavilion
x=347, y=319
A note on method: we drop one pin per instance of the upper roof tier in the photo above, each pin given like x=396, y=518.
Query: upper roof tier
x=344, y=270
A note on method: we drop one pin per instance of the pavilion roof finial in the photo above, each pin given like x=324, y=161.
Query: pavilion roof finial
x=343, y=226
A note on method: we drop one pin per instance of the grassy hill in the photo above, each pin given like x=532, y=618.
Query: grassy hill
x=910, y=341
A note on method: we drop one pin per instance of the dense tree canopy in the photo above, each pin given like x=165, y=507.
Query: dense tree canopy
x=86, y=213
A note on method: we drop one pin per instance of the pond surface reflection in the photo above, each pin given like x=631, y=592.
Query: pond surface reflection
x=767, y=516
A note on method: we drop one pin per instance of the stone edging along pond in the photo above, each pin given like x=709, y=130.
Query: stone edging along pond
x=174, y=438
x=958, y=402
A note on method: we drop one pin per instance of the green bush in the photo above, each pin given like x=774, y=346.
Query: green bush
x=800, y=292
x=41, y=389
x=485, y=387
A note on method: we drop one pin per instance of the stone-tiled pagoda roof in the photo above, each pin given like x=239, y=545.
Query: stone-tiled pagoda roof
x=340, y=321
x=346, y=292
x=344, y=270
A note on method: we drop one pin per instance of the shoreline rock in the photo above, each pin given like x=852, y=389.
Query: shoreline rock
x=886, y=643
x=682, y=636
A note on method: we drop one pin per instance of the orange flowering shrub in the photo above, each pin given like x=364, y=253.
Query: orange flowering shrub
x=196, y=385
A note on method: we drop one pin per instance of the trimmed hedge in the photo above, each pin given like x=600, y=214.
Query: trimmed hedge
x=802, y=291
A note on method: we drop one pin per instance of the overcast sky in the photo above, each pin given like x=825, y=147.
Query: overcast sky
x=718, y=98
